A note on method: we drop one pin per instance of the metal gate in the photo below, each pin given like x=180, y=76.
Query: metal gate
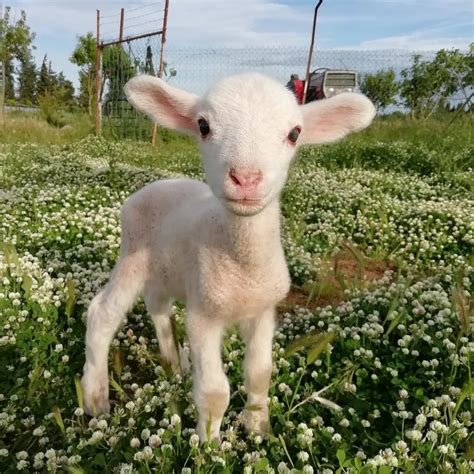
x=138, y=49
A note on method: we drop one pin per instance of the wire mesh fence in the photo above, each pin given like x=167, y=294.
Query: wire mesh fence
x=120, y=63
x=195, y=69
x=129, y=43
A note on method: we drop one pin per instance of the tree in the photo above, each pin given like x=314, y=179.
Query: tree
x=45, y=79
x=27, y=80
x=428, y=85
x=84, y=56
x=64, y=90
x=16, y=39
x=381, y=88
x=117, y=69
x=9, y=88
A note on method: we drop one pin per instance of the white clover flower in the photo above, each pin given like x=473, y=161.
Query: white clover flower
x=20, y=465
x=102, y=425
x=39, y=431
x=226, y=446
x=78, y=412
x=96, y=437
x=147, y=453
x=154, y=441
x=175, y=420
x=194, y=441
x=135, y=443
x=303, y=456
x=336, y=438
x=415, y=435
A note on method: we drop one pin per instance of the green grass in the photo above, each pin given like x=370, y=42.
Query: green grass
x=22, y=127
x=375, y=376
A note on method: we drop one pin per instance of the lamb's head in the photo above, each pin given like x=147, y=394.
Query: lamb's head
x=248, y=127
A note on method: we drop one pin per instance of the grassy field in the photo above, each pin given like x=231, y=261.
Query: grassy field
x=373, y=355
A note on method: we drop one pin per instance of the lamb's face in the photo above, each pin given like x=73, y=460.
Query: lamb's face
x=248, y=131
x=248, y=127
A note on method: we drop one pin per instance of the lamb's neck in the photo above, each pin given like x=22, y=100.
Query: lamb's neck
x=255, y=240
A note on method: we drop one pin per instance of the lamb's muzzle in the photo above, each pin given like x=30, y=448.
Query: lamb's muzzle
x=214, y=246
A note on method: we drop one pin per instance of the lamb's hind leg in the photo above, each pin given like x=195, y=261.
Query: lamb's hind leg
x=105, y=313
x=159, y=308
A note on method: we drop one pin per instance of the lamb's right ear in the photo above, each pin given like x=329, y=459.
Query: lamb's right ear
x=164, y=104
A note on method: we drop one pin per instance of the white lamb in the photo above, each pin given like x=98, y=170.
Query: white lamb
x=216, y=246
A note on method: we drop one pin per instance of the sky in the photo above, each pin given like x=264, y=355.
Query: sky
x=342, y=24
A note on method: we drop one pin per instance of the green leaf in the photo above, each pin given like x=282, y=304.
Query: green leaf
x=58, y=418
x=79, y=394
x=11, y=255
x=261, y=464
x=384, y=470
x=100, y=460
x=38, y=370
x=75, y=470
x=27, y=284
x=70, y=297
x=467, y=391
x=117, y=362
x=341, y=456
x=395, y=323
x=320, y=346
x=304, y=341
x=117, y=387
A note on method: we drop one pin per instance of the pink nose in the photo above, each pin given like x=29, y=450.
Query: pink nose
x=245, y=178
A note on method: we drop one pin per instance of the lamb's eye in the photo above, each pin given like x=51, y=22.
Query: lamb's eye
x=294, y=134
x=203, y=127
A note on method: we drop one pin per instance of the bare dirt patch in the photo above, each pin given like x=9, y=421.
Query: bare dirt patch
x=349, y=269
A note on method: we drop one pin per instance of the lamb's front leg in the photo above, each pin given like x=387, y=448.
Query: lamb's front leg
x=258, y=336
x=210, y=384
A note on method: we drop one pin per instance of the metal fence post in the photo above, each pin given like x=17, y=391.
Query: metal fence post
x=98, y=67
x=160, y=70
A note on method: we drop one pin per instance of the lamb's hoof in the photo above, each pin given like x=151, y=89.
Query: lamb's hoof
x=257, y=421
x=96, y=396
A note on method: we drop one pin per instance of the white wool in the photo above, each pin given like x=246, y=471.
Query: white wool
x=216, y=246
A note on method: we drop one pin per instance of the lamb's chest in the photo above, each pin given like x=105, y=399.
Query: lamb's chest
x=239, y=293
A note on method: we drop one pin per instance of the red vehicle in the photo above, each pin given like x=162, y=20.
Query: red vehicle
x=323, y=83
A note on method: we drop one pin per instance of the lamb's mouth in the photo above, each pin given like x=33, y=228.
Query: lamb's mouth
x=245, y=207
x=246, y=202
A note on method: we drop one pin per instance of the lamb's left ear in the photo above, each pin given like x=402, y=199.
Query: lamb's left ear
x=327, y=120
x=168, y=106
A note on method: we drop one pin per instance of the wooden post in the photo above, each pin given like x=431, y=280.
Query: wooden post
x=122, y=14
x=160, y=70
x=98, y=82
x=2, y=72
x=306, y=82
x=2, y=89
